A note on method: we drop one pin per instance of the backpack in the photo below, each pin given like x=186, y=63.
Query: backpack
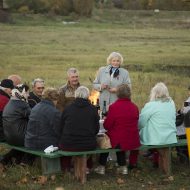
x=187, y=119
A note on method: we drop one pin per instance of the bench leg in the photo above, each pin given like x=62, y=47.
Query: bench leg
x=80, y=168
x=50, y=165
x=165, y=160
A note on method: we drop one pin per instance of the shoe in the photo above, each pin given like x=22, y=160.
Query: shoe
x=100, y=170
x=131, y=167
x=122, y=170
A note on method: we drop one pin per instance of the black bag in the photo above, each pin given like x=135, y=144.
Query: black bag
x=179, y=119
x=187, y=119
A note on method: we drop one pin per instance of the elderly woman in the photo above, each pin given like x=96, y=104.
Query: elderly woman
x=121, y=124
x=157, y=123
x=109, y=77
x=80, y=124
x=44, y=122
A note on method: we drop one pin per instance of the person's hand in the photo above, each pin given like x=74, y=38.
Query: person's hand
x=113, y=90
x=104, y=86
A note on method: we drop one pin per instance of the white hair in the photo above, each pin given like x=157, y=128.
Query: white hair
x=82, y=92
x=114, y=55
x=160, y=92
x=71, y=71
x=37, y=80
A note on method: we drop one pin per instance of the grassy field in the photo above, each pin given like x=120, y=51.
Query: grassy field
x=155, y=47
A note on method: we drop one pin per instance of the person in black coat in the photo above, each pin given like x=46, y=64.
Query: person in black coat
x=80, y=124
x=15, y=116
x=44, y=122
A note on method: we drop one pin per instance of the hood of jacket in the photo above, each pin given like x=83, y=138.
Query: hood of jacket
x=81, y=102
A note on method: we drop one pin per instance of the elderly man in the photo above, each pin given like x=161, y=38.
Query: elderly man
x=67, y=91
x=35, y=96
x=16, y=79
x=5, y=92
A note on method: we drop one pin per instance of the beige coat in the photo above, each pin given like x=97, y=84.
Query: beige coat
x=103, y=77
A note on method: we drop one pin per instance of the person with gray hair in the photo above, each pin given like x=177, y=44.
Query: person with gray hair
x=79, y=124
x=157, y=123
x=67, y=91
x=35, y=96
x=109, y=77
x=121, y=125
x=16, y=79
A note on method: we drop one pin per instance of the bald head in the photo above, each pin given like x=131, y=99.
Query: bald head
x=16, y=79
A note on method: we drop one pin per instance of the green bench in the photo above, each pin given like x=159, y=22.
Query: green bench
x=51, y=162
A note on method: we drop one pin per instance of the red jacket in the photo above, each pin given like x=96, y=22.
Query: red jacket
x=122, y=124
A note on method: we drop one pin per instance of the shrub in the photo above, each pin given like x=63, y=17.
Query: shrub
x=61, y=7
x=83, y=7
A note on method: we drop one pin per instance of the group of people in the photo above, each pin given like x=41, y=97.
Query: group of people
x=65, y=117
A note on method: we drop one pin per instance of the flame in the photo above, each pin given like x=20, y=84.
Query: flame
x=94, y=95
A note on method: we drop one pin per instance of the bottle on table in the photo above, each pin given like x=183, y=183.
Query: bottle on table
x=98, y=105
x=104, y=110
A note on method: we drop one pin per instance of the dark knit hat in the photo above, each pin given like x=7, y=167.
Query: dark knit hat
x=7, y=83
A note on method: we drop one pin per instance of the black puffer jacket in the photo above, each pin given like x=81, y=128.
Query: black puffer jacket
x=15, y=118
x=43, y=127
x=80, y=124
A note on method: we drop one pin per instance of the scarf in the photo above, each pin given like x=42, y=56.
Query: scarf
x=114, y=72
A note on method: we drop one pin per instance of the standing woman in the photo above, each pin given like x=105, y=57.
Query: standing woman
x=109, y=78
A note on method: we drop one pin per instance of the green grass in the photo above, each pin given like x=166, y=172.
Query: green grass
x=148, y=178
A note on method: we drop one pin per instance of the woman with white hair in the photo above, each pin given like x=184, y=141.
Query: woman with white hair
x=109, y=78
x=157, y=123
x=80, y=124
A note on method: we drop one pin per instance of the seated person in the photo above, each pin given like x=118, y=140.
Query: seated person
x=79, y=124
x=35, y=96
x=16, y=79
x=158, y=115
x=121, y=124
x=6, y=86
x=44, y=122
x=15, y=116
x=67, y=91
x=181, y=133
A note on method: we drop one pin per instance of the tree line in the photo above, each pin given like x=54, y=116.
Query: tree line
x=85, y=7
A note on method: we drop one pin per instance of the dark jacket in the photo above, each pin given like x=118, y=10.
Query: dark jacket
x=43, y=126
x=33, y=99
x=80, y=124
x=4, y=99
x=15, y=118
